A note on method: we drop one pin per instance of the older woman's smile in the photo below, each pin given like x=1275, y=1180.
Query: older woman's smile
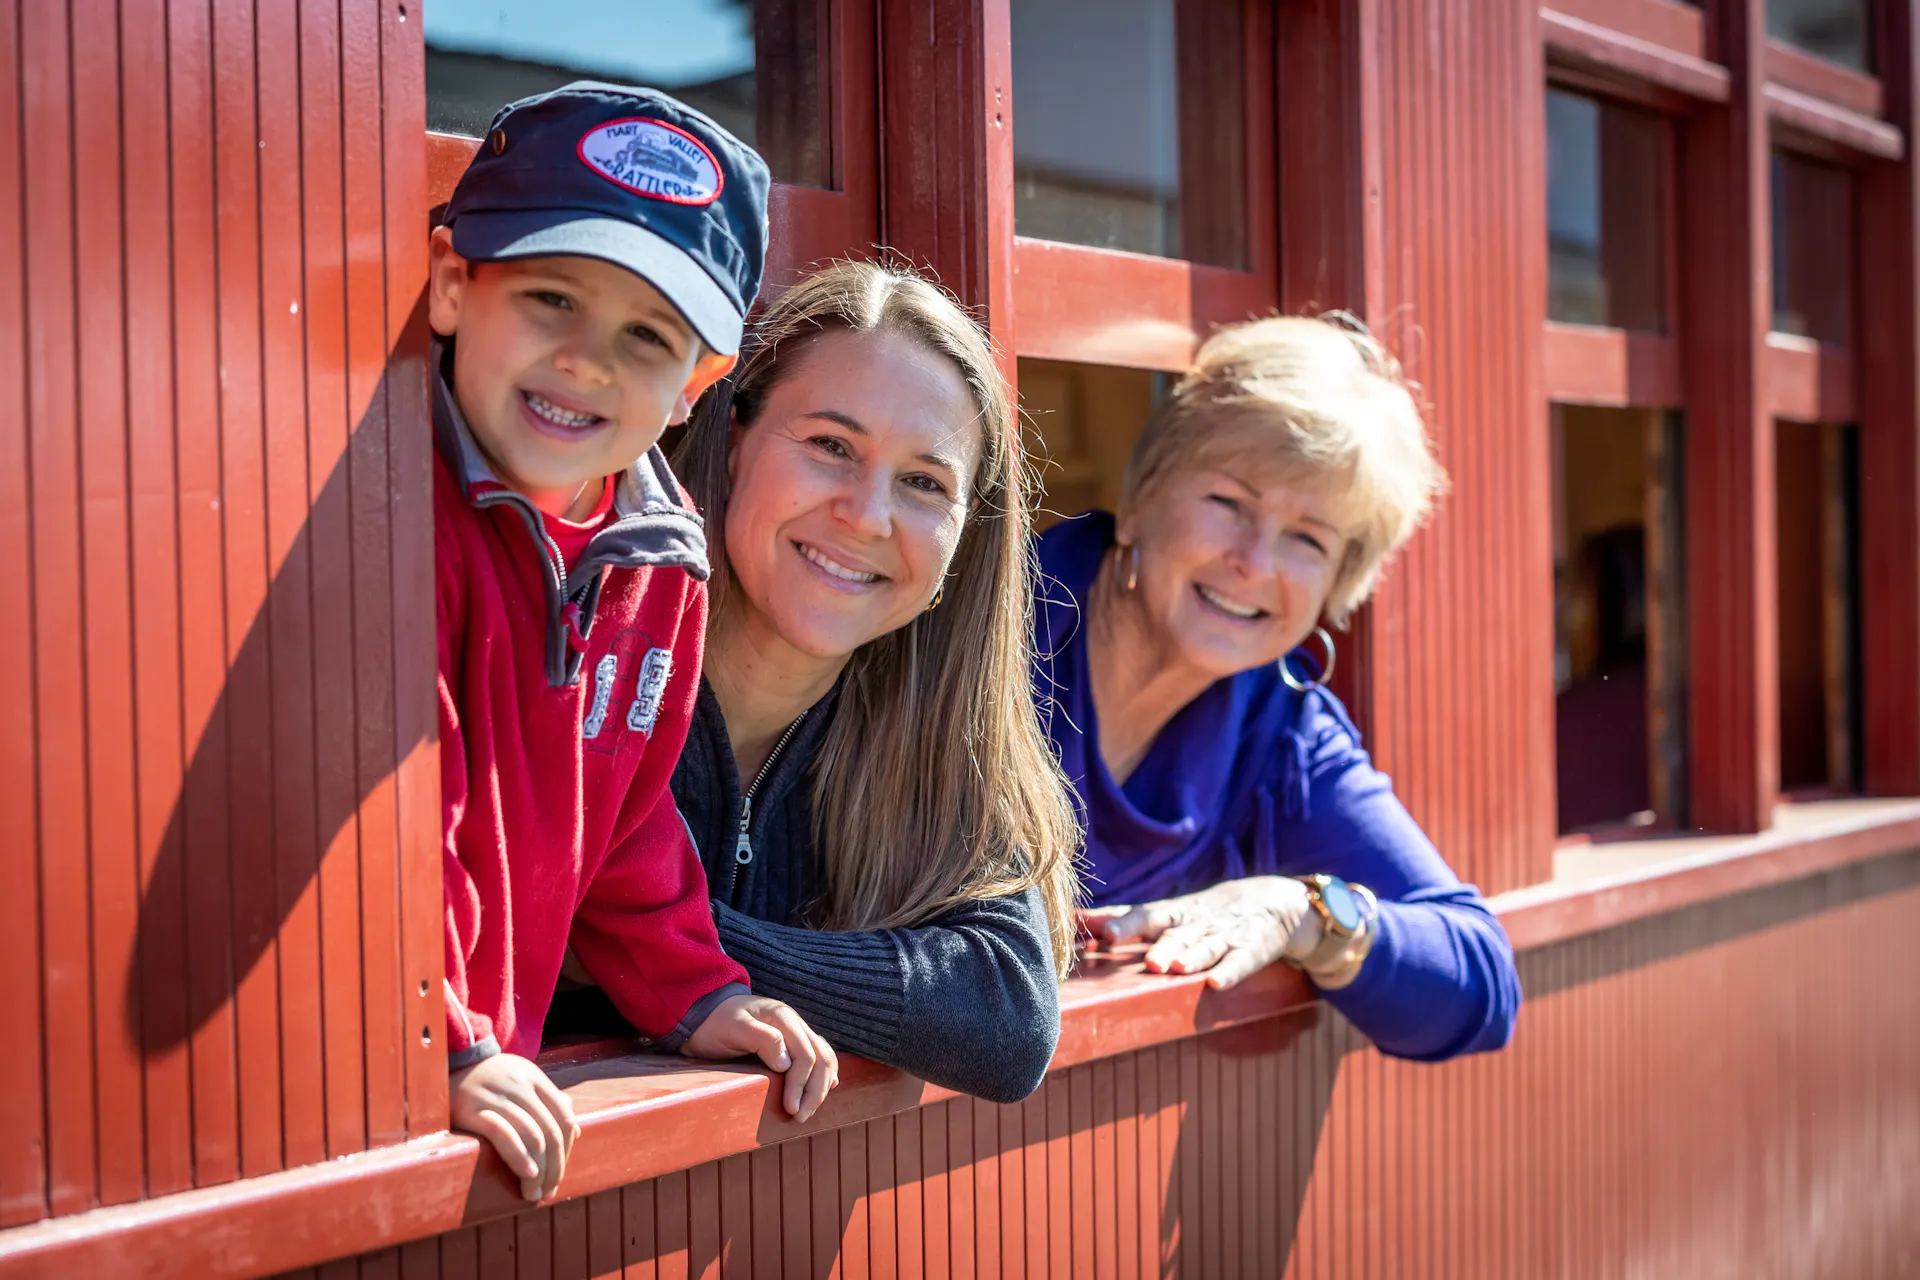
x=1221, y=603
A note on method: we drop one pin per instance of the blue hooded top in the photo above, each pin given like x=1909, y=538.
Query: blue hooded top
x=1252, y=778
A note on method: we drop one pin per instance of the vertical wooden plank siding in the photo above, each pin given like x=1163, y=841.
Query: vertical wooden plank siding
x=1676, y=1102
x=1459, y=638
x=1888, y=342
x=1727, y=309
x=23, y=1121
x=200, y=514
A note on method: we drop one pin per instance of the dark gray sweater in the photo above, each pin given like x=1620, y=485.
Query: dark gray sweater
x=967, y=1001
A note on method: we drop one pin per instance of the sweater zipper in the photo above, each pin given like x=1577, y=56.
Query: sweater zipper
x=742, y=846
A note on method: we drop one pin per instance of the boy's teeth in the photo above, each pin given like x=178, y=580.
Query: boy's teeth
x=561, y=417
x=835, y=568
x=1228, y=606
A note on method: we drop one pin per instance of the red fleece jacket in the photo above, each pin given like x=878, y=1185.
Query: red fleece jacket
x=554, y=758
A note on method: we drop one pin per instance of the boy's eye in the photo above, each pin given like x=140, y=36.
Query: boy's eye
x=650, y=336
x=558, y=301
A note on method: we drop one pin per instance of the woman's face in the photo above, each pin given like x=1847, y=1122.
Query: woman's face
x=849, y=492
x=1233, y=571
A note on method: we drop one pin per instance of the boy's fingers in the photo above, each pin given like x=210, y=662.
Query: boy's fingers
x=801, y=1054
x=562, y=1108
x=500, y=1133
x=553, y=1139
x=530, y=1190
x=764, y=1041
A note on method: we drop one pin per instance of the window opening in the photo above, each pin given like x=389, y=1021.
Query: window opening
x=1817, y=559
x=1832, y=29
x=756, y=66
x=1620, y=618
x=1081, y=420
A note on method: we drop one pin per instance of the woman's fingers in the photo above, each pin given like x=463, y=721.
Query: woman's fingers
x=1171, y=953
x=1236, y=967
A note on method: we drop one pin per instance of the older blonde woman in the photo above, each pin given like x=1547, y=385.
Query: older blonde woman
x=1233, y=818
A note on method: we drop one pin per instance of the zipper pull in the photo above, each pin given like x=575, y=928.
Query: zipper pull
x=743, y=847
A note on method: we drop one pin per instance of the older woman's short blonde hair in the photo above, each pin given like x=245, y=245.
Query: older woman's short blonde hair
x=1313, y=400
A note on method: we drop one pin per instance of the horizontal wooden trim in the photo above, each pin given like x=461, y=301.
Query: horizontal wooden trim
x=1664, y=24
x=1101, y=306
x=447, y=157
x=1586, y=364
x=1822, y=122
x=644, y=1115
x=1587, y=45
x=1850, y=90
x=1809, y=381
x=1617, y=883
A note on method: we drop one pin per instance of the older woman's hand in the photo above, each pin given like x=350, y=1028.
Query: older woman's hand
x=1230, y=931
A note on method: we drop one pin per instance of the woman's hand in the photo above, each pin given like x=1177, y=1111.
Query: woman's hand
x=1230, y=931
x=509, y=1101
x=775, y=1034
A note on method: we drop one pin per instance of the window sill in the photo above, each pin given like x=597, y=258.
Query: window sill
x=643, y=1115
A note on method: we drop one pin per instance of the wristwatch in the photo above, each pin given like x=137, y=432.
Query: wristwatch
x=1337, y=904
x=1343, y=909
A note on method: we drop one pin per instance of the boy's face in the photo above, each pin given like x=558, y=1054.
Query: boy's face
x=567, y=368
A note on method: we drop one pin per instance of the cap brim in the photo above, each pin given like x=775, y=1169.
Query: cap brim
x=490, y=237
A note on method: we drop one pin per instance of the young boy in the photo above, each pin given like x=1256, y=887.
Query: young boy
x=590, y=281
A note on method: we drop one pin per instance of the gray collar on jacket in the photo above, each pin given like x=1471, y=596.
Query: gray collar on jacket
x=649, y=527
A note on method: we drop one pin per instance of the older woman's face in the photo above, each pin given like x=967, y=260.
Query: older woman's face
x=850, y=490
x=1234, y=570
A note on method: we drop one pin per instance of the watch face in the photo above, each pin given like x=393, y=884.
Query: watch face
x=1342, y=904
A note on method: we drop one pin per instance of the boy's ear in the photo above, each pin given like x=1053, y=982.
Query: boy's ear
x=446, y=282
x=707, y=370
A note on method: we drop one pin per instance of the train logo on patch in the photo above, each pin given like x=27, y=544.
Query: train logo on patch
x=653, y=159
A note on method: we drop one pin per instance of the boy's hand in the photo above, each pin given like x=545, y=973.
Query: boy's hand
x=508, y=1101
x=779, y=1037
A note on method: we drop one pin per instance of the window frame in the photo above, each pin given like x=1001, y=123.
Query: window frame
x=1089, y=305
x=807, y=225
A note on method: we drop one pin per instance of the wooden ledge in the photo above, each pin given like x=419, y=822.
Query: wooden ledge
x=1598, y=886
x=1830, y=128
x=1587, y=46
x=643, y=1115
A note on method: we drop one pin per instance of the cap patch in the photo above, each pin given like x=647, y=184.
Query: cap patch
x=654, y=159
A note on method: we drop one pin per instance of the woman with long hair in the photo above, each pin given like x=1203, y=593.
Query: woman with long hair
x=887, y=837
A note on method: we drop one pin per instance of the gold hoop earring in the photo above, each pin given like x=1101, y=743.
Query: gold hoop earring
x=1133, y=568
x=1298, y=685
x=939, y=594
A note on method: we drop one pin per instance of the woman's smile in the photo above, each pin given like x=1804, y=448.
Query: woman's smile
x=1221, y=603
x=840, y=577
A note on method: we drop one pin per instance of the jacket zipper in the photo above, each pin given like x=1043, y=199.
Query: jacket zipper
x=742, y=846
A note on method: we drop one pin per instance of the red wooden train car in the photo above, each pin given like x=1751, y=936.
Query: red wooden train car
x=1655, y=268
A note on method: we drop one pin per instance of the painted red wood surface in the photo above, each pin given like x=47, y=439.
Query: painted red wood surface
x=1710, y=1091
x=1889, y=397
x=1459, y=640
x=218, y=669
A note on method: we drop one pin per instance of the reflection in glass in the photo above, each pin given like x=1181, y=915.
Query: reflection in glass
x=1606, y=225
x=1129, y=125
x=1812, y=248
x=1817, y=560
x=753, y=65
x=1832, y=29
x=1619, y=617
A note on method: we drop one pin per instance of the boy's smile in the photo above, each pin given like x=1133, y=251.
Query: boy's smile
x=567, y=369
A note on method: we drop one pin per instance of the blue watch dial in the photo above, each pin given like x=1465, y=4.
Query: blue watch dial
x=1343, y=904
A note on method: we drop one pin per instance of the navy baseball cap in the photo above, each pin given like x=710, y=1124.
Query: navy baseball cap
x=630, y=176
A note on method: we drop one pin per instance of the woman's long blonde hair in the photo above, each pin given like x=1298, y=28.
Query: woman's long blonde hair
x=935, y=784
